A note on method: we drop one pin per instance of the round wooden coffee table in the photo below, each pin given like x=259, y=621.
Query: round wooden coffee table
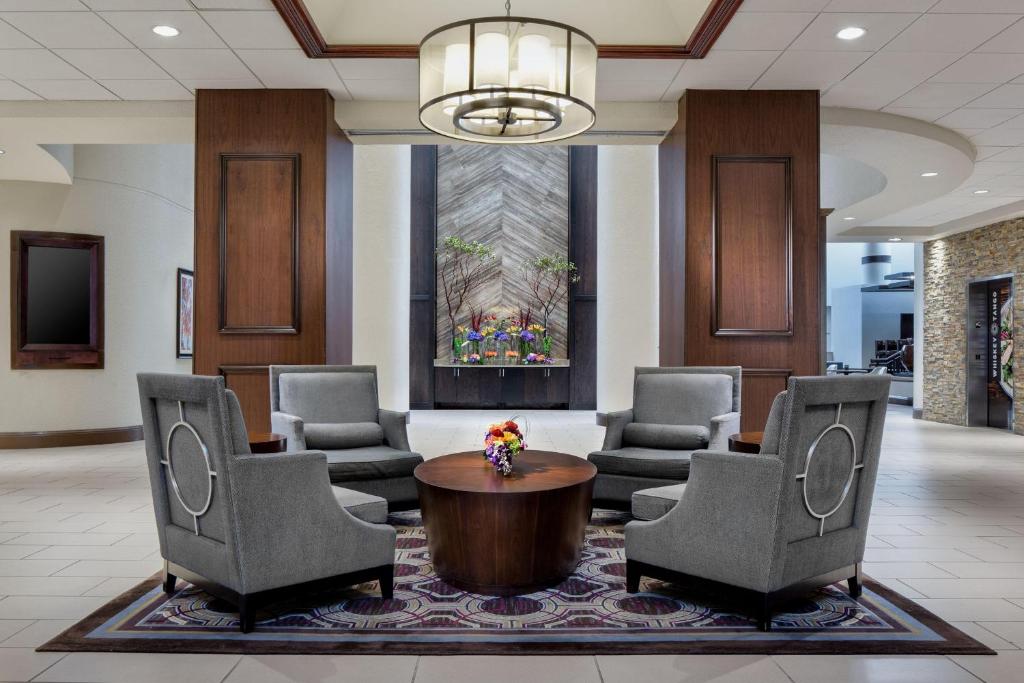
x=500, y=535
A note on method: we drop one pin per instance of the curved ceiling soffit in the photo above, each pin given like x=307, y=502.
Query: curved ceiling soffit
x=900, y=149
x=38, y=136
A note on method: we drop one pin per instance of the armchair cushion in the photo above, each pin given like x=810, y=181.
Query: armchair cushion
x=343, y=435
x=322, y=397
x=370, y=462
x=655, y=503
x=670, y=437
x=643, y=462
x=681, y=398
x=372, y=509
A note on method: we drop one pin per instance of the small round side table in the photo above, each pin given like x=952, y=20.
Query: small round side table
x=746, y=442
x=267, y=442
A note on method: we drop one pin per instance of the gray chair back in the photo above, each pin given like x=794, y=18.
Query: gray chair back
x=335, y=394
x=829, y=440
x=685, y=395
x=193, y=427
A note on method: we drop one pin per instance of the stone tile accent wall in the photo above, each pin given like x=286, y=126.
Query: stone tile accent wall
x=948, y=265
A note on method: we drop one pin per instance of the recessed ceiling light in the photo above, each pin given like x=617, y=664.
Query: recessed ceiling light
x=166, y=31
x=895, y=239
x=981, y=192
x=3, y=151
x=849, y=218
x=851, y=33
x=929, y=174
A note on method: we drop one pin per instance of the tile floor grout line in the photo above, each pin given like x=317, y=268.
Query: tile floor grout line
x=232, y=669
x=52, y=664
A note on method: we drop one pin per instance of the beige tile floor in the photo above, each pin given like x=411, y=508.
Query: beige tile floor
x=947, y=530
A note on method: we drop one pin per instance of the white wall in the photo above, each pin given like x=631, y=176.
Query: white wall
x=380, y=307
x=139, y=197
x=627, y=269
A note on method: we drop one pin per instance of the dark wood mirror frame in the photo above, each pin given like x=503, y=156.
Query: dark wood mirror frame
x=26, y=356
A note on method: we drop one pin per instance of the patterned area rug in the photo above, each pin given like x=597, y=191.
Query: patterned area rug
x=589, y=612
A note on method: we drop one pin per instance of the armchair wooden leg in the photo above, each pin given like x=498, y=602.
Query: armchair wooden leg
x=633, y=575
x=855, y=582
x=246, y=615
x=169, y=579
x=387, y=581
x=764, y=614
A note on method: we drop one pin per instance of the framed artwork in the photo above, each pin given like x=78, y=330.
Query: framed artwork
x=56, y=300
x=186, y=312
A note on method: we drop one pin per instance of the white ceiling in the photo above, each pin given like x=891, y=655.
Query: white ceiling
x=956, y=63
x=405, y=22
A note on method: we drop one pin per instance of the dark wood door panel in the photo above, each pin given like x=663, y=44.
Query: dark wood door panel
x=752, y=264
x=259, y=241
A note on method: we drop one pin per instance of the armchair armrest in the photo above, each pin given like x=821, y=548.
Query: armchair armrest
x=393, y=423
x=722, y=427
x=723, y=527
x=616, y=423
x=292, y=427
x=283, y=508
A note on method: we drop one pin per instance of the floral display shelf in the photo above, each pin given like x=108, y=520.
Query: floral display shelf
x=449, y=363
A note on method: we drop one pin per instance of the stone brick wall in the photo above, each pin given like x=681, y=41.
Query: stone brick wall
x=949, y=264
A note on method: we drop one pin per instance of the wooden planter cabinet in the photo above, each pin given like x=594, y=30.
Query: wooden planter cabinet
x=466, y=386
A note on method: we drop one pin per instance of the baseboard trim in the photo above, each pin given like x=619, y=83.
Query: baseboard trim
x=71, y=437
x=918, y=414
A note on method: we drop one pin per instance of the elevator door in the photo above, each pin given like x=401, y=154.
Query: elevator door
x=989, y=354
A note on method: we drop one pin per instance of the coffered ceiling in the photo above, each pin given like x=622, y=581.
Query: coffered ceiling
x=956, y=64
x=398, y=22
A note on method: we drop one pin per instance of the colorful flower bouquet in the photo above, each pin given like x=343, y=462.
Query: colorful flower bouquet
x=502, y=442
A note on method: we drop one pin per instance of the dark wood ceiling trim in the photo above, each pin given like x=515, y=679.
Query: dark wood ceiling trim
x=302, y=26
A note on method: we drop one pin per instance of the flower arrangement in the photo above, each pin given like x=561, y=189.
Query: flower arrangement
x=502, y=442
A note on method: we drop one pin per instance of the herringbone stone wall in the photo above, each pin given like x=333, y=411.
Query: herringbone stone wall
x=949, y=264
x=514, y=198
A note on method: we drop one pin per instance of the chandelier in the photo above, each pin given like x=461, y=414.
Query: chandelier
x=507, y=80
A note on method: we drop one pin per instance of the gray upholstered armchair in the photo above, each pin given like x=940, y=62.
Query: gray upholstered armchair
x=786, y=521
x=334, y=409
x=676, y=411
x=245, y=527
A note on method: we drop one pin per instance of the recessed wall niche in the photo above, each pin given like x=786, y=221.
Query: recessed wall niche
x=515, y=199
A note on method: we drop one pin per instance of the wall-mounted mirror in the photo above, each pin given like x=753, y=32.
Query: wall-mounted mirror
x=56, y=300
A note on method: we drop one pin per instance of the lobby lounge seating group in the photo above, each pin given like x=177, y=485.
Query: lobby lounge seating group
x=781, y=523
x=247, y=527
x=770, y=526
x=676, y=411
x=335, y=409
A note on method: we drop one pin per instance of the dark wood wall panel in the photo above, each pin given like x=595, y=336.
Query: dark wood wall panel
x=753, y=286
x=729, y=124
x=672, y=242
x=583, y=295
x=259, y=240
x=760, y=386
x=252, y=385
x=267, y=169
x=423, y=236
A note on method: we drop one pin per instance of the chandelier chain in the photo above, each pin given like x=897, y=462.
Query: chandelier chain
x=508, y=8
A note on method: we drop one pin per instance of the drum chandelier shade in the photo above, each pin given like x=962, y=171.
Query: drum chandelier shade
x=508, y=80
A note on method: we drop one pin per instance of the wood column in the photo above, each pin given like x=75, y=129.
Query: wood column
x=273, y=242
x=583, y=294
x=423, y=276
x=753, y=247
